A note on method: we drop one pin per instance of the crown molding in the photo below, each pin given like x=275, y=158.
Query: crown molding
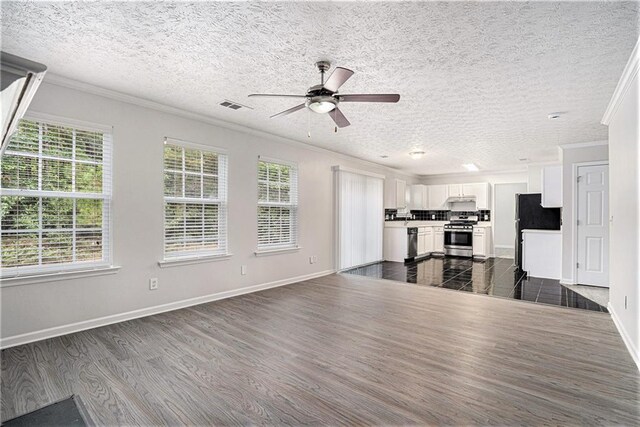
x=58, y=80
x=584, y=144
x=624, y=84
x=521, y=169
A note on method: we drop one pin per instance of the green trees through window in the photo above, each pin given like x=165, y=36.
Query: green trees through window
x=53, y=204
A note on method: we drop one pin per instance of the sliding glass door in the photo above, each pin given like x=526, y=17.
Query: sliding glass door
x=360, y=217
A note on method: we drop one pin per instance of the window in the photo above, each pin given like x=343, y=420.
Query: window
x=55, y=199
x=360, y=217
x=277, y=205
x=195, y=201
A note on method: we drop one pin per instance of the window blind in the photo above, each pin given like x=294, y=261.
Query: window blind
x=277, y=205
x=55, y=195
x=360, y=218
x=195, y=201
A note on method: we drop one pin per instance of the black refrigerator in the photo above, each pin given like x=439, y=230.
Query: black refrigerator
x=530, y=215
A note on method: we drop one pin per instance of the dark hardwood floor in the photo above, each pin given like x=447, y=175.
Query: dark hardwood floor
x=341, y=349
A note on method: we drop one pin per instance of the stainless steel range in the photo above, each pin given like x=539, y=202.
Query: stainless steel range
x=458, y=235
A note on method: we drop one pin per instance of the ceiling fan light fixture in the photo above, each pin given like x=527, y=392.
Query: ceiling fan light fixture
x=321, y=104
x=416, y=155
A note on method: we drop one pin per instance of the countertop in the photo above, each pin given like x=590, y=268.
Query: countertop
x=483, y=224
x=401, y=224
x=413, y=223
x=528, y=230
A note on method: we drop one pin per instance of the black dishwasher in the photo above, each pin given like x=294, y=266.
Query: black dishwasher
x=412, y=242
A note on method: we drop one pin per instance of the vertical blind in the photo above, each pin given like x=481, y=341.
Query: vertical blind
x=55, y=193
x=195, y=200
x=277, y=204
x=360, y=218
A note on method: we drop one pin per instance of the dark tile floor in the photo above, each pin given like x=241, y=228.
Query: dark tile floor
x=494, y=276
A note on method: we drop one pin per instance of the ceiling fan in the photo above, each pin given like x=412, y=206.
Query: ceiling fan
x=324, y=98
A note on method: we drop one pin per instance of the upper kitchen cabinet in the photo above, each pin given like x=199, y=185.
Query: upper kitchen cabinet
x=437, y=196
x=419, y=197
x=481, y=191
x=551, y=187
x=455, y=190
x=395, y=194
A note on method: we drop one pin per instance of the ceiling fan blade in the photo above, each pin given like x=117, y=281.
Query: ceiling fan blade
x=274, y=95
x=370, y=97
x=337, y=79
x=289, y=111
x=339, y=118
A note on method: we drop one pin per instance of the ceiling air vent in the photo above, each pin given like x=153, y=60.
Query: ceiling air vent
x=234, y=105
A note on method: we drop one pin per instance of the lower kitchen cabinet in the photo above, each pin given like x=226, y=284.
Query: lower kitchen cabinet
x=481, y=241
x=425, y=240
x=438, y=239
x=542, y=253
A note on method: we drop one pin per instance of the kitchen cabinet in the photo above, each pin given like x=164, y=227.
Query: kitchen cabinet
x=419, y=197
x=437, y=196
x=401, y=194
x=481, y=241
x=438, y=239
x=551, y=186
x=425, y=240
x=481, y=192
x=542, y=253
x=395, y=244
x=455, y=190
x=395, y=194
x=421, y=243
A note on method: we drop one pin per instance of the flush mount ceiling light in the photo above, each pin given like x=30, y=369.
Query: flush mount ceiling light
x=470, y=167
x=415, y=155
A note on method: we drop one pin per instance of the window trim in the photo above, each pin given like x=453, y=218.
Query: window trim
x=41, y=273
x=274, y=249
x=183, y=258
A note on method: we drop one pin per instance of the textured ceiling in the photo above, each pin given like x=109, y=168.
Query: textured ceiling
x=477, y=79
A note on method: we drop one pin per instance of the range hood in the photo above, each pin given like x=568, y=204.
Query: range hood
x=19, y=81
x=461, y=199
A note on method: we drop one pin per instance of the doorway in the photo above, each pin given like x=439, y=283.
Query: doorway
x=592, y=236
x=504, y=211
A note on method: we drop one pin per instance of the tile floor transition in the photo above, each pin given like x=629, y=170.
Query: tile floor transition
x=494, y=276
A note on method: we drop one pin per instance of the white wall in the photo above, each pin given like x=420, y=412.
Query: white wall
x=572, y=155
x=492, y=179
x=624, y=205
x=137, y=217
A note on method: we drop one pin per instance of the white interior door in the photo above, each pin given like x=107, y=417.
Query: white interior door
x=593, y=225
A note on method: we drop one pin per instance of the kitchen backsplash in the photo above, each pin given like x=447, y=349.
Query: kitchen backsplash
x=431, y=215
x=440, y=215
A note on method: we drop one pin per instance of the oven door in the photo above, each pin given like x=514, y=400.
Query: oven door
x=457, y=239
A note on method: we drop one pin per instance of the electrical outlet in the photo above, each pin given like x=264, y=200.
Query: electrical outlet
x=153, y=283
x=243, y=269
x=315, y=258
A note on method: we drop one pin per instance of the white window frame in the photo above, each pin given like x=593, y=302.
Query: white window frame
x=10, y=276
x=292, y=245
x=194, y=256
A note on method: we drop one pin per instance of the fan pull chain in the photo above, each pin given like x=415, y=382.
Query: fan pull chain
x=308, y=123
